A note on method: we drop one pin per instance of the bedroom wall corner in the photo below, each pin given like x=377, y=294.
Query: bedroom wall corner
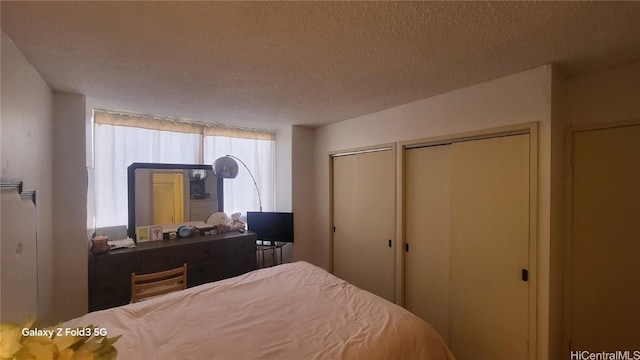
x=70, y=203
x=283, y=160
x=556, y=246
x=294, y=188
x=26, y=123
x=90, y=157
x=302, y=188
x=283, y=164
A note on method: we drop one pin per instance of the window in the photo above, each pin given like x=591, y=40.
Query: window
x=122, y=139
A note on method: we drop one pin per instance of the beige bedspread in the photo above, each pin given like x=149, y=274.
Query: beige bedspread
x=291, y=311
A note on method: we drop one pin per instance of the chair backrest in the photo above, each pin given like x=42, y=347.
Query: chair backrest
x=150, y=285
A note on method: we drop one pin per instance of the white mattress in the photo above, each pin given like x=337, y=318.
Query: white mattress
x=291, y=311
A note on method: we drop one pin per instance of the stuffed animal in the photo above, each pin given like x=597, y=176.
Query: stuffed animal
x=236, y=222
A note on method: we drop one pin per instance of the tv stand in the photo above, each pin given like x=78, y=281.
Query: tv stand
x=270, y=246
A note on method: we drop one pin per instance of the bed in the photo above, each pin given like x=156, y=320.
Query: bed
x=290, y=311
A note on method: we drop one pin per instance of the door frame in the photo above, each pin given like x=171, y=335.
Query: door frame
x=520, y=129
x=567, y=307
x=354, y=151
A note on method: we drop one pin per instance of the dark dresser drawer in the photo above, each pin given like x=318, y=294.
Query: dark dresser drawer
x=165, y=259
x=112, y=264
x=204, y=272
x=109, y=291
x=240, y=255
x=212, y=250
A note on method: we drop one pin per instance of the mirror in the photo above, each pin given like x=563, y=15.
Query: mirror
x=162, y=194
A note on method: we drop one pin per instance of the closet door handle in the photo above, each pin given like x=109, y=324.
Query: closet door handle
x=389, y=242
x=525, y=275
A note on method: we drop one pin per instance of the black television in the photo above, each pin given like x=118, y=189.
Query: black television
x=271, y=226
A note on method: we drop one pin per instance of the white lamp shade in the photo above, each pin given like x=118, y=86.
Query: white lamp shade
x=225, y=168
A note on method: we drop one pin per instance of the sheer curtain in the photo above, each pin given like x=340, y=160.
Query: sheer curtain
x=240, y=194
x=116, y=147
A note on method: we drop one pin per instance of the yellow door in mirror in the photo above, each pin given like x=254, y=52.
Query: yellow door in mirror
x=168, y=198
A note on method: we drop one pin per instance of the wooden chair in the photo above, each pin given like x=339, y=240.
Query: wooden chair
x=150, y=285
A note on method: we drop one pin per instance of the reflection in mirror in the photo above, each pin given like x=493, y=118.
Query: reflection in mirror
x=164, y=194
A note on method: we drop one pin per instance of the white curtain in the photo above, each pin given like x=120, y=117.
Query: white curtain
x=240, y=194
x=116, y=147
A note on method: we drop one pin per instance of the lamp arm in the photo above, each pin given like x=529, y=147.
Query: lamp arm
x=252, y=178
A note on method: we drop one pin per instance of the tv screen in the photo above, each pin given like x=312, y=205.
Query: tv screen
x=271, y=226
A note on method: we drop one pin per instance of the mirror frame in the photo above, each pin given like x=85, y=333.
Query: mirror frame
x=131, y=189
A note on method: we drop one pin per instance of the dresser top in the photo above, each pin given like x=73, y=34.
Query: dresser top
x=164, y=244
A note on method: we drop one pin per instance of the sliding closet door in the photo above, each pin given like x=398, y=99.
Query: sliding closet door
x=426, y=271
x=489, y=248
x=606, y=240
x=363, y=217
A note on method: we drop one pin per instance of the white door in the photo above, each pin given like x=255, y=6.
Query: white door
x=605, y=274
x=489, y=248
x=363, y=220
x=426, y=263
x=168, y=199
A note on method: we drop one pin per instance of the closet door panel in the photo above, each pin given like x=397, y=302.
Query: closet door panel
x=427, y=234
x=606, y=240
x=363, y=216
x=489, y=248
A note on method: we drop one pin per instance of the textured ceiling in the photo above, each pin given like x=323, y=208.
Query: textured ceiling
x=270, y=64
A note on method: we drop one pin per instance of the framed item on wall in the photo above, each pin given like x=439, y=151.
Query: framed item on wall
x=142, y=234
x=155, y=233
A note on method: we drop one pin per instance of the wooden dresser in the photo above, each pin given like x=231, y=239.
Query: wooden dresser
x=209, y=258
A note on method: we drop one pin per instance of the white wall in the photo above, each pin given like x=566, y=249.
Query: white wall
x=70, y=205
x=283, y=165
x=519, y=98
x=607, y=96
x=284, y=195
x=294, y=183
x=27, y=154
x=43, y=144
x=302, y=185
